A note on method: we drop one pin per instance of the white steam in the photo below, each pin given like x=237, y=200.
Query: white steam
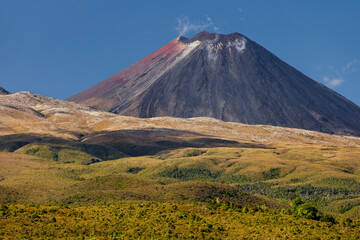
x=351, y=67
x=216, y=29
x=211, y=48
x=185, y=26
x=214, y=46
x=332, y=82
x=212, y=56
x=337, y=75
x=240, y=46
x=216, y=38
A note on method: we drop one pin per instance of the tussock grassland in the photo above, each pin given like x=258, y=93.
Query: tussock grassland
x=327, y=177
x=102, y=175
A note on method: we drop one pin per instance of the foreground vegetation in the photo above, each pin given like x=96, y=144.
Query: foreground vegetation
x=54, y=172
x=196, y=188
x=68, y=172
x=165, y=221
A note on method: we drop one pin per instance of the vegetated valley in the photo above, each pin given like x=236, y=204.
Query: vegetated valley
x=71, y=172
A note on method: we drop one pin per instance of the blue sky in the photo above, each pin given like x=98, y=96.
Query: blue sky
x=58, y=48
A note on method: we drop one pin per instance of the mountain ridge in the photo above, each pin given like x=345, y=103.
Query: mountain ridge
x=3, y=91
x=26, y=112
x=54, y=151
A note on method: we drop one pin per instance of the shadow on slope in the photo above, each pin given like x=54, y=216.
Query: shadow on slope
x=140, y=142
x=58, y=149
x=115, y=188
x=102, y=146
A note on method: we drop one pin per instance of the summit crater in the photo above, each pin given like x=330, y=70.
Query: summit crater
x=213, y=37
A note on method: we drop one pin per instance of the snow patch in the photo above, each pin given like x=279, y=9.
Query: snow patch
x=240, y=45
x=212, y=56
x=216, y=38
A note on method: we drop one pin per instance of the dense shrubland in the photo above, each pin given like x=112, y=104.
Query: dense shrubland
x=84, y=191
x=215, y=220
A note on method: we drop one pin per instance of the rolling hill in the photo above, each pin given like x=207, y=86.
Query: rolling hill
x=58, y=152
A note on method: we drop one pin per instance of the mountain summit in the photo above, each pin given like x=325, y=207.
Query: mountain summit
x=3, y=91
x=228, y=77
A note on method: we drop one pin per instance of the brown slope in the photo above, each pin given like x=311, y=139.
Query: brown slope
x=228, y=77
x=27, y=113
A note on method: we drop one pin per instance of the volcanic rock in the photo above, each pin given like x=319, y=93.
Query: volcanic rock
x=3, y=91
x=228, y=77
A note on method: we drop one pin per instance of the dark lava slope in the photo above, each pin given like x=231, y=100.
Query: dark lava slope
x=3, y=91
x=228, y=77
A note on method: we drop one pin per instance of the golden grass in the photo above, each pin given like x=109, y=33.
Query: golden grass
x=276, y=156
x=41, y=181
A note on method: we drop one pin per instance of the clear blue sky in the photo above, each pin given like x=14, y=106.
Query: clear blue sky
x=58, y=48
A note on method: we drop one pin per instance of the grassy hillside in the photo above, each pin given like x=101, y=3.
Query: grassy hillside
x=104, y=176
x=44, y=169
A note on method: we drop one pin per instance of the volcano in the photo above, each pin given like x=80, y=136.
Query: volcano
x=228, y=77
x=3, y=91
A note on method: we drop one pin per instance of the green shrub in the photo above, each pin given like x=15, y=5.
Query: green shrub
x=273, y=173
x=306, y=210
x=42, y=151
x=328, y=218
x=188, y=174
x=193, y=152
x=73, y=156
x=134, y=170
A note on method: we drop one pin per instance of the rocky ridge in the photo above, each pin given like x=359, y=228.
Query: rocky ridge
x=26, y=112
